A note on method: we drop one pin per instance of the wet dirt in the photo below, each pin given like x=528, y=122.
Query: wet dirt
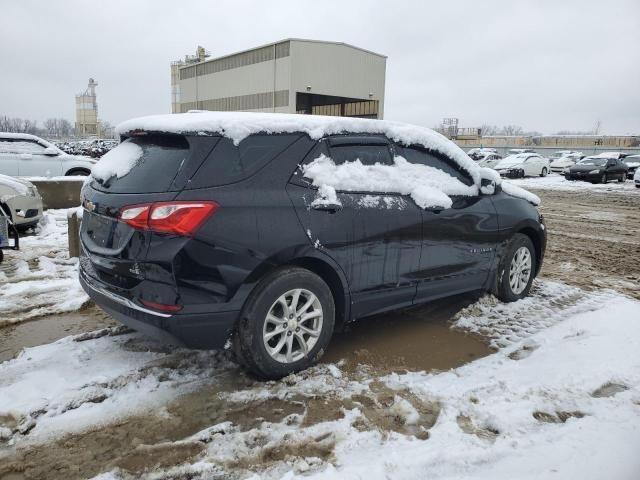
x=15, y=337
x=593, y=239
x=413, y=339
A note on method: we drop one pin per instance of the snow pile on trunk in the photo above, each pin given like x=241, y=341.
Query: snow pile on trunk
x=429, y=187
x=117, y=162
x=40, y=278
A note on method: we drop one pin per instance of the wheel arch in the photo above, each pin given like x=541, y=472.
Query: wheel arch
x=73, y=170
x=321, y=265
x=536, y=239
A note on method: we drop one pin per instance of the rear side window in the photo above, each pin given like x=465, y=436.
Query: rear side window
x=228, y=163
x=367, y=154
x=422, y=157
x=163, y=156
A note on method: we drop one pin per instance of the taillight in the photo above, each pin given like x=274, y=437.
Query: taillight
x=162, y=307
x=179, y=218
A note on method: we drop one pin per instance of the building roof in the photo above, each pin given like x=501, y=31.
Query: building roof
x=282, y=41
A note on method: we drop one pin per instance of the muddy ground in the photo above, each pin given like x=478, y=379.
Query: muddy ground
x=594, y=242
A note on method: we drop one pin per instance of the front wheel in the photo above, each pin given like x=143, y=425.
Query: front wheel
x=286, y=324
x=604, y=178
x=516, y=270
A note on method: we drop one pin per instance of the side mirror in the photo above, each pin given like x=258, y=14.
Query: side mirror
x=489, y=187
x=51, y=151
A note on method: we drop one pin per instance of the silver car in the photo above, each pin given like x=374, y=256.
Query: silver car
x=20, y=201
x=24, y=155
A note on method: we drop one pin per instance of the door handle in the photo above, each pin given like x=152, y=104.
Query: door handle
x=327, y=207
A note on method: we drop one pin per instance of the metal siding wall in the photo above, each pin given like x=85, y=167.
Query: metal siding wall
x=337, y=70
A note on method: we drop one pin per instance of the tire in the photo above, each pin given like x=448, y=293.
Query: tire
x=249, y=344
x=78, y=173
x=503, y=288
x=622, y=178
x=544, y=172
x=604, y=178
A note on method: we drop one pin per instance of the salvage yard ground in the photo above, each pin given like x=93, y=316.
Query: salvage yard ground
x=548, y=387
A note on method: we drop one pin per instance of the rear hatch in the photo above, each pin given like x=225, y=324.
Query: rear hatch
x=160, y=166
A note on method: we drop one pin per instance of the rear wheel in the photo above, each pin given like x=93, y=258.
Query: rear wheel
x=604, y=178
x=544, y=172
x=79, y=172
x=286, y=324
x=516, y=270
x=621, y=179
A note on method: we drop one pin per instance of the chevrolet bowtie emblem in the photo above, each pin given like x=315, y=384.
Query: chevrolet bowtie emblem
x=89, y=205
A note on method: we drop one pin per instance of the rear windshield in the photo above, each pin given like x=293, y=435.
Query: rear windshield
x=162, y=158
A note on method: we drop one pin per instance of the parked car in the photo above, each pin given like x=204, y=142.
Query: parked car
x=567, y=160
x=636, y=178
x=211, y=239
x=516, y=151
x=23, y=155
x=487, y=159
x=94, y=148
x=20, y=201
x=598, y=169
x=481, y=150
x=523, y=165
x=632, y=162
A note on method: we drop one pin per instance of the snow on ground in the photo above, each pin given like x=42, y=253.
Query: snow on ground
x=559, y=399
x=558, y=182
x=40, y=278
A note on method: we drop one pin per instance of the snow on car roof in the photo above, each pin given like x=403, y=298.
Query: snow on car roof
x=21, y=136
x=239, y=125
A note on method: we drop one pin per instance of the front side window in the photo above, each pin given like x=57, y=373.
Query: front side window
x=367, y=154
x=422, y=157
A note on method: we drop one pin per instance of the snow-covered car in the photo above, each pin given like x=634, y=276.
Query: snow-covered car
x=598, y=169
x=20, y=201
x=569, y=159
x=633, y=162
x=24, y=155
x=487, y=159
x=516, y=151
x=523, y=165
x=476, y=151
x=636, y=178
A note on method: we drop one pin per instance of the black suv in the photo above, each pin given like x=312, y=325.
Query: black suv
x=207, y=243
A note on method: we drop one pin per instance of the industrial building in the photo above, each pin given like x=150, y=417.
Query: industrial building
x=289, y=76
x=87, y=111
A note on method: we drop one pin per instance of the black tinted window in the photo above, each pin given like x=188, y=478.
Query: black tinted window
x=422, y=157
x=162, y=158
x=367, y=154
x=229, y=163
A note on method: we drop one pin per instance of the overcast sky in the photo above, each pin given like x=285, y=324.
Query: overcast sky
x=543, y=65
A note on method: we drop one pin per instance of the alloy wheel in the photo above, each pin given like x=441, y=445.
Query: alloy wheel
x=292, y=326
x=520, y=270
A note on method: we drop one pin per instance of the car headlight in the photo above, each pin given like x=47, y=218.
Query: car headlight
x=594, y=171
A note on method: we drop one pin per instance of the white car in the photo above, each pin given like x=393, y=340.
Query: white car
x=475, y=151
x=568, y=160
x=24, y=155
x=636, y=178
x=487, y=159
x=523, y=165
x=20, y=201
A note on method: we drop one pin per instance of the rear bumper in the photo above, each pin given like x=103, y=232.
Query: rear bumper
x=200, y=330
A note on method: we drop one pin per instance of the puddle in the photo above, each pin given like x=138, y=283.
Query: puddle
x=416, y=339
x=13, y=338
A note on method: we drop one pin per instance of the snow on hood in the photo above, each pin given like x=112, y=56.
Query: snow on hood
x=117, y=162
x=20, y=186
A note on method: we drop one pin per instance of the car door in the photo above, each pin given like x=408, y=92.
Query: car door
x=374, y=237
x=458, y=243
x=34, y=163
x=8, y=157
x=530, y=166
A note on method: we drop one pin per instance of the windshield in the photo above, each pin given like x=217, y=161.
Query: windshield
x=599, y=162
